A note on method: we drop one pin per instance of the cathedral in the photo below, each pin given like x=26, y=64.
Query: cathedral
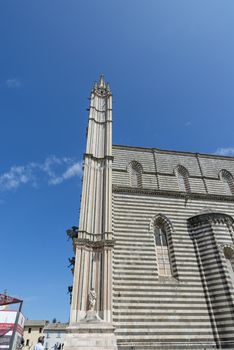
x=154, y=251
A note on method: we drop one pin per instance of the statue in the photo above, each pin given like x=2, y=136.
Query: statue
x=91, y=314
x=71, y=261
x=92, y=299
x=69, y=291
x=73, y=232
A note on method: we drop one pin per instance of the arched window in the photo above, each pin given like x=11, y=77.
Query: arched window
x=135, y=174
x=183, y=178
x=229, y=256
x=227, y=180
x=162, y=251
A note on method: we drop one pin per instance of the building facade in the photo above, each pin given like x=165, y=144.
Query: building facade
x=33, y=329
x=154, y=264
x=55, y=334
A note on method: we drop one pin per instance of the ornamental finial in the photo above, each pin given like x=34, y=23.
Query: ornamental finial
x=102, y=83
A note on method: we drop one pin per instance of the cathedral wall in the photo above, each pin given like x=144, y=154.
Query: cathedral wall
x=148, y=307
x=166, y=163
x=159, y=169
x=212, y=167
x=195, y=304
x=123, y=158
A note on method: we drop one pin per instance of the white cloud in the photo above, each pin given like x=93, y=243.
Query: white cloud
x=16, y=176
x=13, y=83
x=73, y=170
x=52, y=163
x=54, y=170
x=229, y=151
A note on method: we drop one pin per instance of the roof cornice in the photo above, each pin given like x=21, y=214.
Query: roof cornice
x=182, y=153
x=175, y=194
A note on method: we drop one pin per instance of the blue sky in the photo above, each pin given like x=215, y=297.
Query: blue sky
x=170, y=66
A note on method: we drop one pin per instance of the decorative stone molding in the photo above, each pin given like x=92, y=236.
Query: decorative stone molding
x=94, y=244
x=176, y=194
x=136, y=165
x=163, y=151
x=181, y=170
x=99, y=110
x=95, y=241
x=161, y=219
x=225, y=173
x=90, y=156
x=101, y=88
x=210, y=218
x=94, y=236
x=226, y=246
x=158, y=172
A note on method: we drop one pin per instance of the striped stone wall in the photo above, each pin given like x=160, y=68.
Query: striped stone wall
x=159, y=166
x=194, y=307
x=211, y=232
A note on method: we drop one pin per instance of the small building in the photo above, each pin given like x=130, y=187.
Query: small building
x=33, y=329
x=55, y=334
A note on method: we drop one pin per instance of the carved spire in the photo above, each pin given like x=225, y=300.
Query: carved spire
x=101, y=87
x=102, y=84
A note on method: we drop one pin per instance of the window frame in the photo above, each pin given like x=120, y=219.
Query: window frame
x=162, y=251
x=228, y=182
x=182, y=175
x=135, y=171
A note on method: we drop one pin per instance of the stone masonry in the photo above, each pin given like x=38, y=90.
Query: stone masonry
x=155, y=245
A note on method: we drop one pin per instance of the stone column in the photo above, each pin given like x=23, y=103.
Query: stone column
x=91, y=307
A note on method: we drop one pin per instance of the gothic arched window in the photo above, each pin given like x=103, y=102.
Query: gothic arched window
x=227, y=180
x=162, y=250
x=229, y=256
x=183, y=178
x=135, y=174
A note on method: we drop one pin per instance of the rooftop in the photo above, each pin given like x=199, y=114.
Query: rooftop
x=152, y=149
x=35, y=323
x=55, y=326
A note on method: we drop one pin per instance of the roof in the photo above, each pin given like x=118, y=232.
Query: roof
x=55, y=326
x=35, y=323
x=150, y=149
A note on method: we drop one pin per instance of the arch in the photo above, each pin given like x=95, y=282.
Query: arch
x=162, y=229
x=135, y=174
x=227, y=179
x=162, y=219
x=182, y=175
